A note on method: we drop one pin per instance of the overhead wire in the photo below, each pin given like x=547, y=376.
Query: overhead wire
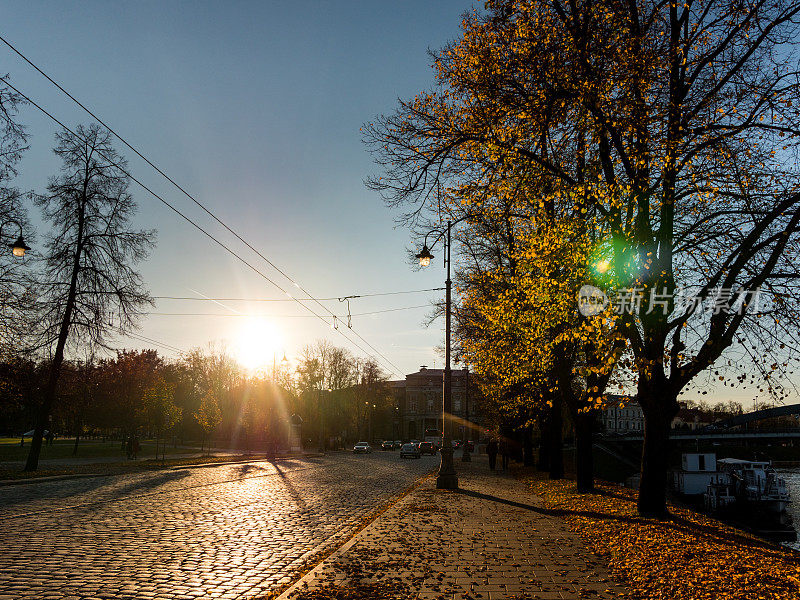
x=209, y=299
x=339, y=317
x=199, y=204
x=387, y=362
x=143, y=338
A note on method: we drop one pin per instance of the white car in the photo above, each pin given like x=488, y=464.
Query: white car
x=362, y=448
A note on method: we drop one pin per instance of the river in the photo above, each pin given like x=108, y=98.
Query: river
x=792, y=478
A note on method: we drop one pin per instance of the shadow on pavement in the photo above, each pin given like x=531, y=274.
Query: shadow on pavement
x=245, y=470
x=675, y=522
x=50, y=490
x=292, y=491
x=146, y=484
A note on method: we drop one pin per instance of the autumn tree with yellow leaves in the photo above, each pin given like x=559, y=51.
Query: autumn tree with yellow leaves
x=672, y=129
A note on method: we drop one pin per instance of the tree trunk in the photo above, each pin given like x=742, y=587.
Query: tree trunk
x=527, y=447
x=584, y=464
x=58, y=358
x=543, y=462
x=556, y=441
x=47, y=401
x=659, y=408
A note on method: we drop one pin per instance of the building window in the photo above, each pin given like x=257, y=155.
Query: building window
x=456, y=405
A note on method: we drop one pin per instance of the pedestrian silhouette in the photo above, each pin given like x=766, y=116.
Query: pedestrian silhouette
x=491, y=450
x=504, y=452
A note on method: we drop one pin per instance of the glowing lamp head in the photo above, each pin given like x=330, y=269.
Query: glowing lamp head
x=19, y=247
x=603, y=266
x=425, y=256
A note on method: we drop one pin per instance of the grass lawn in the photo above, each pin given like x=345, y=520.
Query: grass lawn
x=10, y=449
x=687, y=557
x=121, y=467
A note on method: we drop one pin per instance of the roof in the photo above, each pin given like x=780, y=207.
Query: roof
x=435, y=373
x=739, y=461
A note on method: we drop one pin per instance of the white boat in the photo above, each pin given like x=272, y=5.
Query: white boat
x=752, y=483
x=696, y=472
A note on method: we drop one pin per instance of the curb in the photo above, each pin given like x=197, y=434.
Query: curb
x=48, y=478
x=241, y=462
x=313, y=573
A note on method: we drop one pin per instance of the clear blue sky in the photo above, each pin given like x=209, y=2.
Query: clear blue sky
x=255, y=108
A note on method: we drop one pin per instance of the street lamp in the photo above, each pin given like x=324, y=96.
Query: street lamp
x=424, y=256
x=465, y=455
x=446, y=479
x=19, y=247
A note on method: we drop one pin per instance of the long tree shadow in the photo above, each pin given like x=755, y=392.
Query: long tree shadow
x=290, y=488
x=673, y=522
x=147, y=484
x=242, y=471
x=55, y=490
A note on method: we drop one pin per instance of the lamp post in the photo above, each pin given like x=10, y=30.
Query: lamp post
x=271, y=442
x=446, y=479
x=19, y=247
x=371, y=410
x=284, y=364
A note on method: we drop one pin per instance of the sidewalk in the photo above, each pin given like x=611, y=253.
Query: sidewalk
x=488, y=540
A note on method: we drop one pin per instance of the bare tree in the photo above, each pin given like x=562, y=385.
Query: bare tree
x=91, y=287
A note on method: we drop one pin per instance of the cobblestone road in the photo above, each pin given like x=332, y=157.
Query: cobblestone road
x=230, y=531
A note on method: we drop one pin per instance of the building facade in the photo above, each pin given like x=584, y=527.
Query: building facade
x=622, y=415
x=418, y=403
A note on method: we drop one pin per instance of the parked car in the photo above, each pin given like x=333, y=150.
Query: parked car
x=387, y=445
x=426, y=448
x=362, y=448
x=409, y=450
x=398, y=444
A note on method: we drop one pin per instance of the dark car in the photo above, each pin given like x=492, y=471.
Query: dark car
x=387, y=445
x=362, y=448
x=427, y=448
x=410, y=451
x=398, y=444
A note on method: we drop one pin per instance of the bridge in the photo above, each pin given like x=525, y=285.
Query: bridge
x=702, y=434
x=757, y=415
x=721, y=429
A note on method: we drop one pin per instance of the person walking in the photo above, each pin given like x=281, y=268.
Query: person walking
x=491, y=450
x=504, y=452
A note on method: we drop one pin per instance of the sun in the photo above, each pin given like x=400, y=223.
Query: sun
x=257, y=343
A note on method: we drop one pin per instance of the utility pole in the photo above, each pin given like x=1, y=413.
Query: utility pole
x=465, y=455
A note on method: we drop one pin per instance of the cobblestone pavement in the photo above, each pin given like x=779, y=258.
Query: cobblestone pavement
x=491, y=539
x=229, y=531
